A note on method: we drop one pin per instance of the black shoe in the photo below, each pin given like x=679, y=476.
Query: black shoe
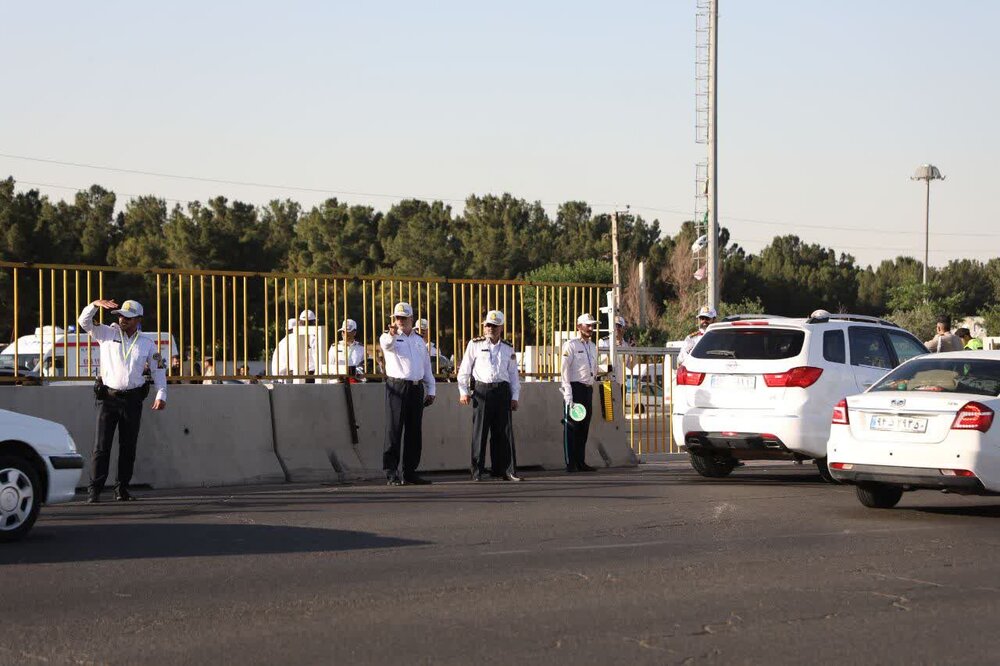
x=393, y=481
x=571, y=469
x=123, y=495
x=93, y=497
x=414, y=480
x=477, y=476
x=584, y=467
x=510, y=477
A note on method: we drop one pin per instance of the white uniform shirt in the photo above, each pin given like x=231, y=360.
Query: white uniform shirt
x=489, y=363
x=123, y=359
x=689, y=343
x=283, y=360
x=342, y=359
x=579, y=364
x=406, y=358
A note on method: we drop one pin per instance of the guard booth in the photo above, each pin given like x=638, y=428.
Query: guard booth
x=646, y=378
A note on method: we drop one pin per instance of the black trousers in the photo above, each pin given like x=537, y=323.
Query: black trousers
x=575, y=432
x=404, y=412
x=491, y=420
x=121, y=411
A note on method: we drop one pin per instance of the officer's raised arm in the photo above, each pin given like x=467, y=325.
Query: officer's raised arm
x=86, y=321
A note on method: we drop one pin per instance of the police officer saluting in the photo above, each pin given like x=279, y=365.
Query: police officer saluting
x=125, y=355
x=409, y=387
x=491, y=362
x=579, y=371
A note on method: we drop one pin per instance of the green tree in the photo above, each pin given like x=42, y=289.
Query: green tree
x=504, y=237
x=418, y=239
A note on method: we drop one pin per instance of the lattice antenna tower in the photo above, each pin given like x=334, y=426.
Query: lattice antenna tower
x=702, y=120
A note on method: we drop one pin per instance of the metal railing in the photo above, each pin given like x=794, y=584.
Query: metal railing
x=238, y=319
x=646, y=376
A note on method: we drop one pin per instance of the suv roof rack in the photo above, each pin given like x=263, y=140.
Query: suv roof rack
x=850, y=317
x=743, y=317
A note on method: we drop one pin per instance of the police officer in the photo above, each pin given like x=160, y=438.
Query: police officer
x=125, y=355
x=409, y=387
x=491, y=362
x=706, y=317
x=423, y=329
x=604, y=346
x=348, y=355
x=579, y=371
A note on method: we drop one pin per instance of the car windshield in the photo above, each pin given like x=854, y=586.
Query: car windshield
x=958, y=375
x=25, y=362
x=750, y=343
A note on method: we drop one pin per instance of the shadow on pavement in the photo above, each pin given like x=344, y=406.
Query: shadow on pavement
x=976, y=511
x=76, y=543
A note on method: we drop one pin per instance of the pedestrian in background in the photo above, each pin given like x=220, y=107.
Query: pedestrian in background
x=409, y=387
x=121, y=389
x=968, y=342
x=944, y=340
x=579, y=372
x=488, y=379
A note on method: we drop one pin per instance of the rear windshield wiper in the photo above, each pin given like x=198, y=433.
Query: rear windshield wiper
x=721, y=352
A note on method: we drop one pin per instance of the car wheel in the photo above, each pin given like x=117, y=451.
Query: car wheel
x=712, y=467
x=19, y=502
x=824, y=470
x=639, y=409
x=879, y=496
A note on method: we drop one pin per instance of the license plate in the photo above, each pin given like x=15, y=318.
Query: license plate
x=740, y=382
x=898, y=424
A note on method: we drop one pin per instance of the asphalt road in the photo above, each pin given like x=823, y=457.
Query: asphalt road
x=653, y=565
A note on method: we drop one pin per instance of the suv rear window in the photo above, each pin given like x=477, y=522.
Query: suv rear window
x=944, y=376
x=750, y=343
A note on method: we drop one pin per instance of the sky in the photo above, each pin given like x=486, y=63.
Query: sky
x=825, y=109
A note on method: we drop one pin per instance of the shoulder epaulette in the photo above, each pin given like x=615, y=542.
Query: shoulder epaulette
x=479, y=339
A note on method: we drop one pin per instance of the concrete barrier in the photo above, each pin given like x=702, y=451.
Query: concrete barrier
x=208, y=435
x=212, y=435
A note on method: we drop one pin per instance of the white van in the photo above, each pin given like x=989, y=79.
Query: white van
x=52, y=352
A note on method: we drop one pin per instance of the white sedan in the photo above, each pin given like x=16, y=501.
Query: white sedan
x=925, y=425
x=38, y=464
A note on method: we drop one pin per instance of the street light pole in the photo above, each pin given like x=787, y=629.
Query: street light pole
x=927, y=173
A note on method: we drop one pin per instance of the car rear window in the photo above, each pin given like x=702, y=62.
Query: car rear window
x=981, y=377
x=750, y=343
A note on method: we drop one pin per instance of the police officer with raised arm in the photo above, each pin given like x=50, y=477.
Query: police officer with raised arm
x=491, y=362
x=409, y=387
x=125, y=355
x=579, y=372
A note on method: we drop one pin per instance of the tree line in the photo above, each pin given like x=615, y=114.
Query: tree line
x=493, y=237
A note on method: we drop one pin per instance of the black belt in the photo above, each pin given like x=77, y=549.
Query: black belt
x=125, y=393
x=492, y=384
x=404, y=382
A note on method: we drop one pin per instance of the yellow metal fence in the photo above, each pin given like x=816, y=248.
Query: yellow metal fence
x=238, y=319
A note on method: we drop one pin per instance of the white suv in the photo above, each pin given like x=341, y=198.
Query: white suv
x=38, y=464
x=764, y=388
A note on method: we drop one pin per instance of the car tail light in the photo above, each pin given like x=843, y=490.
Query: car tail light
x=686, y=378
x=840, y=416
x=973, y=416
x=843, y=466
x=796, y=377
x=957, y=472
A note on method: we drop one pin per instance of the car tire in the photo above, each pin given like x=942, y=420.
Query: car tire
x=712, y=466
x=19, y=497
x=878, y=495
x=824, y=470
x=639, y=410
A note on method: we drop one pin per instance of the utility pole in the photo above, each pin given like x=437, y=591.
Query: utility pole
x=713, y=171
x=615, y=271
x=927, y=173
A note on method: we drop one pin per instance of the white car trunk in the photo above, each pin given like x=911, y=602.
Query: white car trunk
x=904, y=416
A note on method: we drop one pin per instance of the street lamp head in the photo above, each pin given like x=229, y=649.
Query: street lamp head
x=927, y=172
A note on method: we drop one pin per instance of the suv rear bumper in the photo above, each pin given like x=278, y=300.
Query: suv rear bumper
x=911, y=478
x=803, y=439
x=739, y=445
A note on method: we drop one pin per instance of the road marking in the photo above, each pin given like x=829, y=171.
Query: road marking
x=679, y=542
